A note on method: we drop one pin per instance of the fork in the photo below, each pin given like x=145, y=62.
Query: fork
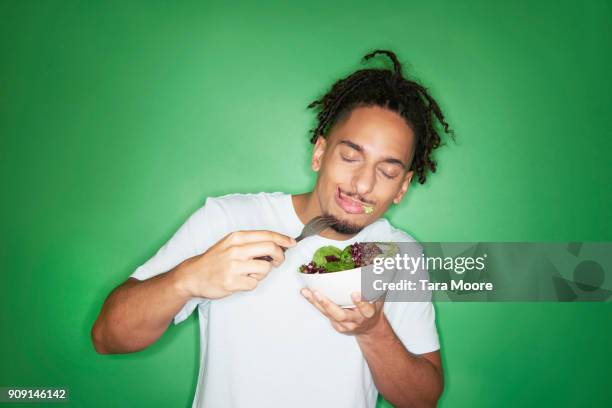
x=313, y=227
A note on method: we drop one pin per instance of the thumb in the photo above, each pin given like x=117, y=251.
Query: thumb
x=367, y=309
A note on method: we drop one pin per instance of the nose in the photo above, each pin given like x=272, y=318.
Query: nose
x=363, y=181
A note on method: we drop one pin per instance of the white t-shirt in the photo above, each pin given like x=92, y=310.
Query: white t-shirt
x=269, y=347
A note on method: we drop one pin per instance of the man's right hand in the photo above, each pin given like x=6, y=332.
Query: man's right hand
x=229, y=265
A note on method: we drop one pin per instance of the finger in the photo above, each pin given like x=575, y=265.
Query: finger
x=257, y=276
x=307, y=293
x=310, y=297
x=330, y=308
x=366, y=309
x=344, y=327
x=353, y=315
x=259, y=249
x=239, y=267
x=245, y=283
x=245, y=237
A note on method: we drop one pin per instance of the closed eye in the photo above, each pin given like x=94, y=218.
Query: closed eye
x=387, y=175
x=347, y=159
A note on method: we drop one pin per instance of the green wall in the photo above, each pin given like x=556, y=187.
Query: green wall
x=118, y=120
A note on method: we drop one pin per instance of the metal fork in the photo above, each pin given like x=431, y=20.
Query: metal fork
x=314, y=226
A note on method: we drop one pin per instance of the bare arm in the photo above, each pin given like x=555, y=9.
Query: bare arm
x=403, y=378
x=137, y=313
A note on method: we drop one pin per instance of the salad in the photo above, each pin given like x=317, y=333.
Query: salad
x=332, y=259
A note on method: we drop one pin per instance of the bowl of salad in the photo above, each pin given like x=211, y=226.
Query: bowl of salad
x=336, y=273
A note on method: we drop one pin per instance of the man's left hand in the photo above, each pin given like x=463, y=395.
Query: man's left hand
x=362, y=319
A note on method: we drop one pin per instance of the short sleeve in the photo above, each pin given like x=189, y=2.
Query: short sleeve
x=415, y=325
x=413, y=318
x=201, y=230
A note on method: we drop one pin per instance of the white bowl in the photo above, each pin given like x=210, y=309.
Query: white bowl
x=336, y=286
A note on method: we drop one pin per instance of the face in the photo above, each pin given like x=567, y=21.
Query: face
x=362, y=167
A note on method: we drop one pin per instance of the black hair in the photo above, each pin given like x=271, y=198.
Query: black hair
x=390, y=90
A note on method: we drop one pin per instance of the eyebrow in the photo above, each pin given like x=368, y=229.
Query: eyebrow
x=355, y=146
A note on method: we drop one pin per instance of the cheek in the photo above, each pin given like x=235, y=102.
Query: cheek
x=387, y=192
x=336, y=171
x=382, y=207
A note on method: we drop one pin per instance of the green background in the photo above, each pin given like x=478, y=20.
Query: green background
x=118, y=120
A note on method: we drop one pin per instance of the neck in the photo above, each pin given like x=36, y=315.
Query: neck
x=307, y=207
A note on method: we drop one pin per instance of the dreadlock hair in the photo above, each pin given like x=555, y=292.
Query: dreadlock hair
x=390, y=90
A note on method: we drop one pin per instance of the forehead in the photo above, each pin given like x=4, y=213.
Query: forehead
x=377, y=130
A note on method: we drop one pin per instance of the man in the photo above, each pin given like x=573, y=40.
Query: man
x=265, y=340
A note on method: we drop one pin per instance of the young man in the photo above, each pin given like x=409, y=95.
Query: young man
x=266, y=341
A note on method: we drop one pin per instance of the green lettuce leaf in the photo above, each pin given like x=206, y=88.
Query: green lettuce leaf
x=346, y=254
x=339, y=266
x=319, y=256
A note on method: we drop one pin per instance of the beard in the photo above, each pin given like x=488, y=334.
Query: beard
x=344, y=227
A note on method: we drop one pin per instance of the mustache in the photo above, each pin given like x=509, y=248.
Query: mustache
x=358, y=197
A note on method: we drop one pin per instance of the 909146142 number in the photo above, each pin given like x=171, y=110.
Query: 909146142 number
x=13, y=394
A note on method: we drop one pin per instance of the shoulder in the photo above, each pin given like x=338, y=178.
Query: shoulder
x=222, y=214
x=382, y=230
x=244, y=200
x=248, y=210
x=222, y=207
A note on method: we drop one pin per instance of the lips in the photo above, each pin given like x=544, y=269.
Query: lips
x=348, y=204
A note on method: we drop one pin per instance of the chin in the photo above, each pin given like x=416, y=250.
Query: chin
x=344, y=226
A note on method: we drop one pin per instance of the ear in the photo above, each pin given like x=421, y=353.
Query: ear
x=317, y=153
x=404, y=187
